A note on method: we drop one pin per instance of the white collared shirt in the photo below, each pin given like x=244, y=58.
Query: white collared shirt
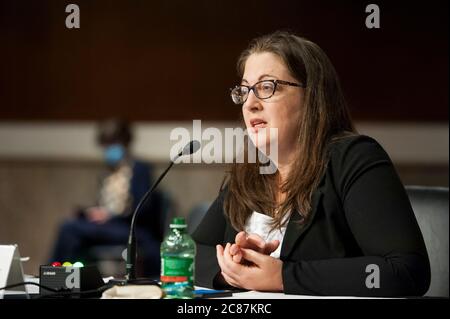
x=259, y=224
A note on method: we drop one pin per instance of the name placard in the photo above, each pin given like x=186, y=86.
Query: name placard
x=11, y=271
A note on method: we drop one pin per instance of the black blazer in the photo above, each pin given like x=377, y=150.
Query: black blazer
x=361, y=216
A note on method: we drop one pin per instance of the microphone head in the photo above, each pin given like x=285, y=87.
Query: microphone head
x=190, y=148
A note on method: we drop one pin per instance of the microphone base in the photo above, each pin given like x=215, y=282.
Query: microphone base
x=137, y=281
x=118, y=282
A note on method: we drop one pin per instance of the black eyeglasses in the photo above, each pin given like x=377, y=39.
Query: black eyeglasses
x=263, y=90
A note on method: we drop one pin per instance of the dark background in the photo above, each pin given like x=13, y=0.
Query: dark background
x=175, y=60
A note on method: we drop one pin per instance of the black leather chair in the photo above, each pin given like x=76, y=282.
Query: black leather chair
x=430, y=205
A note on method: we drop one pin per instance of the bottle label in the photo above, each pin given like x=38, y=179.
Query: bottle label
x=177, y=269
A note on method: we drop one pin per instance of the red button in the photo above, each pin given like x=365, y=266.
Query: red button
x=56, y=264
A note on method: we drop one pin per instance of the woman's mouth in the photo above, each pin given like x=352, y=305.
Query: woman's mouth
x=257, y=124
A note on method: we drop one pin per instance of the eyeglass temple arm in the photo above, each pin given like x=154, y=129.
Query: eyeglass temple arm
x=290, y=83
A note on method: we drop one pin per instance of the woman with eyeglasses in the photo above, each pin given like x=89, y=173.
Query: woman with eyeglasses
x=334, y=219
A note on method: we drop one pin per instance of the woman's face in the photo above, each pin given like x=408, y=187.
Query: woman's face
x=281, y=111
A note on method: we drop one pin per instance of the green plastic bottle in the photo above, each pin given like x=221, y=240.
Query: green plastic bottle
x=178, y=261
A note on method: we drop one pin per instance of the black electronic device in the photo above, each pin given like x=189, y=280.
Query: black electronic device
x=70, y=281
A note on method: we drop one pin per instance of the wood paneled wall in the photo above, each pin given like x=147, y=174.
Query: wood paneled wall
x=175, y=60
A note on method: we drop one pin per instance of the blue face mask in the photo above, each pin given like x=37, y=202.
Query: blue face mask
x=114, y=154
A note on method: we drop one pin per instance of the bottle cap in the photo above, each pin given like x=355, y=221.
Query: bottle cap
x=178, y=222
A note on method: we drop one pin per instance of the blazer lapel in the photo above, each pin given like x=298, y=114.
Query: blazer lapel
x=294, y=230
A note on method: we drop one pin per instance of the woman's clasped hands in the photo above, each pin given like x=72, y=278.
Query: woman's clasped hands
x=247, y=263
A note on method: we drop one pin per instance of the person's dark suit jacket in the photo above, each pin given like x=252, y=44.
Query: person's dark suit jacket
x=361, y=220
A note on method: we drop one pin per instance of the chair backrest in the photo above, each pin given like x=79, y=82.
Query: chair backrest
x=430, y=205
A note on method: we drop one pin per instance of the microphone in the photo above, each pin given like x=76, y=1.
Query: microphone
x=190, y=148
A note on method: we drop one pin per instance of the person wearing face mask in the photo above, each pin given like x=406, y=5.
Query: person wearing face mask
x=107, y=223
x=334, y=208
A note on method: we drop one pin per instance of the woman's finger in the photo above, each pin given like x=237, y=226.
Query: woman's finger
x=254, y=256
x=230, y=266
x=271, y=246
x=241, y=239
x=237, y=258
x=234, y=249
x=255, y=241
x=219, y=255
x=226, y=254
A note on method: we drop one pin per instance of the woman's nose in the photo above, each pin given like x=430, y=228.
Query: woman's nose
x=253, y=103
